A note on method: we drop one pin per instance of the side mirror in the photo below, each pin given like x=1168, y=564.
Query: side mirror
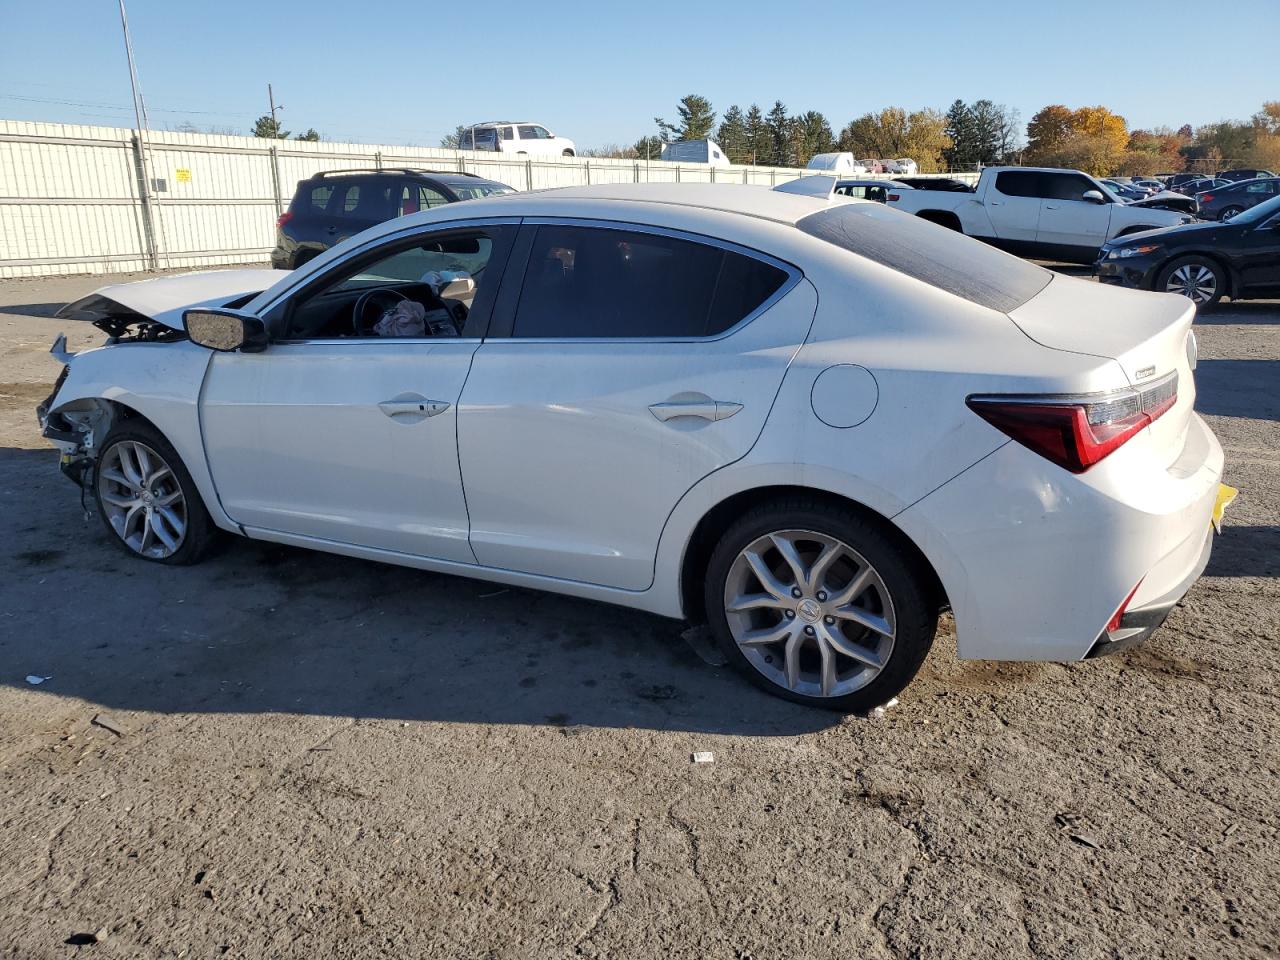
x=225, y=331
x=1093, y=196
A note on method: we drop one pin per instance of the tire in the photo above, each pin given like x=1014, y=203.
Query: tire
x=1195, y=276
x=1229, y=212
x=173, y=526
x=893, y=595
x=566, y=153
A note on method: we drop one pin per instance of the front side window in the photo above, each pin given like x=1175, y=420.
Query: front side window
x=590, y=282
x=1065, y=186
x=528, y=133
x=430, y=285
x=1263, y=187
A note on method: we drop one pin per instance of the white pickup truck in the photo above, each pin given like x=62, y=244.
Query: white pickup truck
x=1037, y=212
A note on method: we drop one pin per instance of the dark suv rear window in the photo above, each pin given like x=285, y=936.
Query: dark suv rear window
x=925, y=251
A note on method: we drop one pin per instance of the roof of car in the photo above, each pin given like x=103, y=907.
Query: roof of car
x=751, y=201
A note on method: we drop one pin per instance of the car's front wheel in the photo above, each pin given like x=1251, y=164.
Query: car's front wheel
x=819, y=605
x=1196, y=277
x=1229, y=212
x=147, y=499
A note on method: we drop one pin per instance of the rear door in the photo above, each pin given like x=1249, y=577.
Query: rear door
x=1066, y=218
x=633, y=363
x=1013, y=204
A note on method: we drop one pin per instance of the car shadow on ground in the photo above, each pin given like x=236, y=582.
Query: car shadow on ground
x=1246, y=551
x=1239, y=388
x=259, y=628
x=1240, y=313
x=31, y=309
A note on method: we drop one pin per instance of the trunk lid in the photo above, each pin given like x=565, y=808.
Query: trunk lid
x=1147, y=334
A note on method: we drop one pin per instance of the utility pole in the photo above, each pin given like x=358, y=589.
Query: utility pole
x=140, y=116
x=271, y=98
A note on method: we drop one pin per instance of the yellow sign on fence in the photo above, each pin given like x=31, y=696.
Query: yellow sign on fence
x=182, y=175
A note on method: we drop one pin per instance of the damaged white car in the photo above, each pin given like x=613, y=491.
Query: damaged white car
x=811, y=422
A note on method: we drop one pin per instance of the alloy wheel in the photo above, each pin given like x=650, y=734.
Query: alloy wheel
x=142, y=499
x=809, y=613
x=1193, y=280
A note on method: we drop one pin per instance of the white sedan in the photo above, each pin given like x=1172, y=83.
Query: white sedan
x=813, y=423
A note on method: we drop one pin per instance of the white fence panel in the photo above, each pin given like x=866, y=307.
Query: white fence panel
x=72, y=198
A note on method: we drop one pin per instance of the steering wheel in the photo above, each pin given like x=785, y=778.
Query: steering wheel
x=361, y=306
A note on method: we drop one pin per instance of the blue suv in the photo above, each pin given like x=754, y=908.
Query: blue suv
x=336, y=204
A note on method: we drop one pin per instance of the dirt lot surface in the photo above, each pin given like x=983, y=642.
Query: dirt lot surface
x=319, y=757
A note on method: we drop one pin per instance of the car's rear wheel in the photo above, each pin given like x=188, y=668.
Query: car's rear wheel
x=1229, y=212
x=818, y=605
x=1196, y=277
x=147, y=499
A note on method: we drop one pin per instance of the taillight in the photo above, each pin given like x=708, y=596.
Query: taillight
x=284, y=218
x=895, y=196
x=1075, y=432
x=1205, y=198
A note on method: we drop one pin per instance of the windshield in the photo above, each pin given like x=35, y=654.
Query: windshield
x=1259, y=213
x=937, y=256
x=474, y=191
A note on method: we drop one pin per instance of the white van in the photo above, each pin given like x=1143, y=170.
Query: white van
x=695, y=151
x=515, y=136
x=836, y=163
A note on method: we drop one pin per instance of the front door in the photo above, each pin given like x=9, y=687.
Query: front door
x=1066, y=218
x=636, y=362
x=344, y=428
x=1259, y=256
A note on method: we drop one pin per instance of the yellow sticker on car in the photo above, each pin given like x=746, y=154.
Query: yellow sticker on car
x=1225, y=495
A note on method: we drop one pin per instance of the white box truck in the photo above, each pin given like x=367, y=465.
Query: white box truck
x=695, y=151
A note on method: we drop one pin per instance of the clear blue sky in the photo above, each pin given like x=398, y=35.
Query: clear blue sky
x=409, y=72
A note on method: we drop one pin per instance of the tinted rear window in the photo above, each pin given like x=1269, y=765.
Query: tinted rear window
x=598, y=282
x=925, y=251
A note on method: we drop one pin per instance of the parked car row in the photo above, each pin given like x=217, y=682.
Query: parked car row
x=842, y=163
x=1237, y=258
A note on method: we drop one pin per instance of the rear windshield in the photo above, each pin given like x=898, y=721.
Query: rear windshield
x=924, y=251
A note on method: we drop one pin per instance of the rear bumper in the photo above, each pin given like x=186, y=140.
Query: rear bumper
x=1036, y=561
x=1138, y=624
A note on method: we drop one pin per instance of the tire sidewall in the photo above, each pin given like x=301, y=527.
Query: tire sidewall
x=199, y=533
x=916, y=618
x=1162, y=281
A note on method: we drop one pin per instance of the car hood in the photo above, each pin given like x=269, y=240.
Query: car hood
x=1206, y=231
x=163, y=299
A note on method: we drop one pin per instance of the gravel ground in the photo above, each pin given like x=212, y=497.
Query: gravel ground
x=320, y=757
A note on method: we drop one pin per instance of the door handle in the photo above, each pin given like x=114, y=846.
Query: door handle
x=702, y=409
x=420, y=407
x=1051, y=206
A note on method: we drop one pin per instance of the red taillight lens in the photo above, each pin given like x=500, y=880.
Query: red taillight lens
x=283, y=218
x=1114, y=622
x=1205, y=197
x=895, y=196
x=1077, y=432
